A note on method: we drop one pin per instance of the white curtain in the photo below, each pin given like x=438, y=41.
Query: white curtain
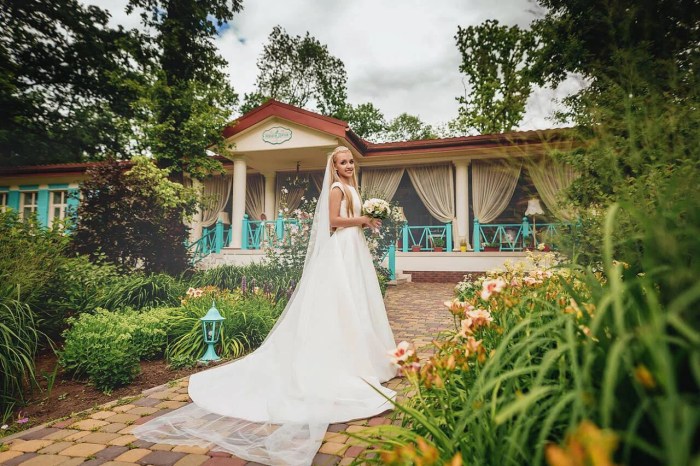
x=435, y=187
x=317, y=180
x=293, y=195
x=215, y=193
x=255, y=196
x=493, y=184
x=381, y=182
x=550, y=179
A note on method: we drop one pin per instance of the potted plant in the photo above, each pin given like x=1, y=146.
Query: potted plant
x=416, y=248
x=438, y=244
x=491, y=246
x=463, y=244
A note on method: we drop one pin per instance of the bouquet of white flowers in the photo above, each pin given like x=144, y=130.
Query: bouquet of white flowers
x=376, y=208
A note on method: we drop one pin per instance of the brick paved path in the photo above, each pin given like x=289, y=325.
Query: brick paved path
x=102, y=436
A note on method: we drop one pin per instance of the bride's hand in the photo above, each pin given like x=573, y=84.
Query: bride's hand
x=373, y=223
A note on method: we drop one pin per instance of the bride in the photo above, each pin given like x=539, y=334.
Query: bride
x=322, y=362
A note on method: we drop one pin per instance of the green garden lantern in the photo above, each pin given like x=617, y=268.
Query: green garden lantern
x=211, y=327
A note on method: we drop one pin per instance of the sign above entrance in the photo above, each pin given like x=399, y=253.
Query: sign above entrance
x=277, y=135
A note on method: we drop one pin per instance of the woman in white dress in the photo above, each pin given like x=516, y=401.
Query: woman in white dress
x=323, y=361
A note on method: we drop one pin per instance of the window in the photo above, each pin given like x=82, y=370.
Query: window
x=3, y=202
x=57, y=208
x=29, y=203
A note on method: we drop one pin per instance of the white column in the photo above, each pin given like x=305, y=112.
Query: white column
x=461, y=201
x=238, y=210
x=270, y=180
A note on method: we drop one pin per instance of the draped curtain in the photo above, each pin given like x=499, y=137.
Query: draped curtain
x=317, y=179
x=493, y=184
x=550, y=179
x=381, y=182
x=255, y=196
x=293, y=195
x=435, y=187
x=215, y=193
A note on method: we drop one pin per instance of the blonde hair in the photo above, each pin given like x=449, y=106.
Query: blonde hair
x=350, y=208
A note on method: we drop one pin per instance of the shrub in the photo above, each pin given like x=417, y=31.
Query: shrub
x=19, y=339
x=269, y=277
x=141, y=291
x=106, y=346
x=249, y=318
x=134, y=216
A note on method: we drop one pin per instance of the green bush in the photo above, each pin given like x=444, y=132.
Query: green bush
x=249, y=319
x=272, y=278
x=106, y=346
x=19, y=339
x=140, y=291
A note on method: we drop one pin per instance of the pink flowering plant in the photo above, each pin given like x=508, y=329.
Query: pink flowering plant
x=476, y=378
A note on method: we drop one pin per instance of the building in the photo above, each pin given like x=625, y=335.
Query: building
x=468, y=194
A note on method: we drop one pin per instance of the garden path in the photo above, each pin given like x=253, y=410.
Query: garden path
x=102, y=435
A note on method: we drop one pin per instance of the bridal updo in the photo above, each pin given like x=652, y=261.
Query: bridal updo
x=332, y=157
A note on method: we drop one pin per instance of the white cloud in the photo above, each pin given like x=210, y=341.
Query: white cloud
x=399, y=55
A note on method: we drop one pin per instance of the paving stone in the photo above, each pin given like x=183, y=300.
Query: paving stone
x=378, y=421
x=83, y=449
x=336, y=437
x=346, y=461
x=132, y=456
x=89, y=424
x=19, y=459
x=46, y=460
x=93, y=462
x=222, y=461
x=192, y=460
x=141, y=444
x=148, y=402
x=99, y=437
x=123, y=408
x=8, y=455
x=118, y=463
x=219, y=454
x=102, y=414
x=74, y=462
x=111, y=452
x=123, y=418
x=63, y=424
x=333, y=448
x=55, y=448
x=161, y=395
x=161, y=458
x=142, y=410
x=40, y=433
x=337, y=427
x=77, y=435
x=60, y=434
x=161, y=447
x=354, y=451
x=322, y=459
x=122, y=440
x=192, y=449
x=127, y=429
x=354, y=429
x=181, y=397
x=170, y=404
x=113, y=427
x=29, y=446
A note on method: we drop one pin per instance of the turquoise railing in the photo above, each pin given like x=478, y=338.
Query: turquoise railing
x=512, y=236
x=212, y=241
x=257, y=233
x=390, y=256
x=424, y=236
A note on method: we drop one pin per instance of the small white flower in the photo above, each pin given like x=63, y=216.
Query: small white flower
x=5, y=427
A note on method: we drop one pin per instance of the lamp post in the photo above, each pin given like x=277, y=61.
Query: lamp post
x=211, y=328
x=534, y=208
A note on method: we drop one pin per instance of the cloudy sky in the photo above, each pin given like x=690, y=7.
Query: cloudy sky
x=400, y=55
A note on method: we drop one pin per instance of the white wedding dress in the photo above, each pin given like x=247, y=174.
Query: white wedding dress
x=322, y=363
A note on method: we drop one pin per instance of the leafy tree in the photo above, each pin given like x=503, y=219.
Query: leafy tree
x=134, y=218
x=300, y=71
x=67, y=83
x=191, y=98
x=497, y=61
x=366, y=120
x=407, y=127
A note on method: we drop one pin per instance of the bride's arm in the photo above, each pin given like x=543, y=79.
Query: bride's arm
x=336, y=196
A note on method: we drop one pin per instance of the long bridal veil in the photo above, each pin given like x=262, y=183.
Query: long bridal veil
x=322, y=362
